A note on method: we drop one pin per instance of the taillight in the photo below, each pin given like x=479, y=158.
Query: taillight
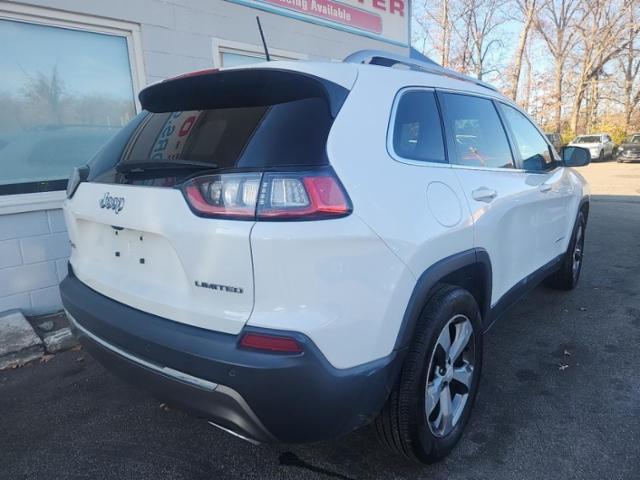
x=228, y=195
x=307, y=195
x=301, y=195
x=270, y=343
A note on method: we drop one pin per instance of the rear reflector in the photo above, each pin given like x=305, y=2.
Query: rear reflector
x=308, y=195
x=270, y=343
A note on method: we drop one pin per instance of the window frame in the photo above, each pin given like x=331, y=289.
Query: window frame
x=51, y=198
x=450, y=141
x=221, y=45
x=391, y=129
x=516, y=151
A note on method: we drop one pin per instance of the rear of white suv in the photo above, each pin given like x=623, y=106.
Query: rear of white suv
x=295, y=250
x=211, y=238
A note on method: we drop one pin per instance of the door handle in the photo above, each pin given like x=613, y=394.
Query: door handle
x=484, y=194
x=545, y=187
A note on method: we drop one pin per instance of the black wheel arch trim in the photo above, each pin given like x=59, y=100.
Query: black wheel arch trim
x=434, y=275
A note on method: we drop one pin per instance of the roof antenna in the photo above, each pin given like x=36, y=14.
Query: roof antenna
x=264, y=44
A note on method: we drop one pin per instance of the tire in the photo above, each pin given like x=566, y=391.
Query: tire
x=601, y=156
x=404, y=425
x=567, y=277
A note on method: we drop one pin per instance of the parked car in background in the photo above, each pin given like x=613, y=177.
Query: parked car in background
x=555, y=139
x=279, y=249
x=629, y=150
x=599, y=145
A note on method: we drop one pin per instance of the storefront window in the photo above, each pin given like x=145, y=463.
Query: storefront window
x=230, y=59
x=63, y=94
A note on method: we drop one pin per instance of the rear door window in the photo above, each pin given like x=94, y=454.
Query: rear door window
x=475, y=132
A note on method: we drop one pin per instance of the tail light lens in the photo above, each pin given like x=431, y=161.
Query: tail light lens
x=309, y=195
x=227, y=195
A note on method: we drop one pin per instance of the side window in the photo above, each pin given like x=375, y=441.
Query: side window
x=534, y=150
x=417, y=133
x=477, y=133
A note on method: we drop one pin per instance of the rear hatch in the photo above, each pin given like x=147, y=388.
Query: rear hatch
x=137, y=236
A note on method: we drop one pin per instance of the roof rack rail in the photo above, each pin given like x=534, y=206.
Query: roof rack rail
x=387, y=59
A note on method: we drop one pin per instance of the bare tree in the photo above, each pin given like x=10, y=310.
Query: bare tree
x=602, y=33
x=47, y=90
x=630, y=65
x=527, y=9
x=482, y=18
x=526, y=101
x=556, y=23
x=586, y=75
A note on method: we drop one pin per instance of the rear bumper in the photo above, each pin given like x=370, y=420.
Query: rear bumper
x=262, y=396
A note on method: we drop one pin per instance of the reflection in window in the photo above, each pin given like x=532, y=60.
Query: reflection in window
x=531, y=145
x=417, y=133
x=63, y=93
x=479, y=138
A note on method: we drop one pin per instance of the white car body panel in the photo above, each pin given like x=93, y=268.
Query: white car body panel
x=334, y=281
x=175, y=254
x=523, y=228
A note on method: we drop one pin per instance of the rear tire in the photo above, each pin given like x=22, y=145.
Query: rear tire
x=429, y=408
x=567, y=277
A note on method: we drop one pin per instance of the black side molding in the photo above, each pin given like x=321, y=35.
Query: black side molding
x=520, y=289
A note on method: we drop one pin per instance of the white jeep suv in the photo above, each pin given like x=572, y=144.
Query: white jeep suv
x=295, y=250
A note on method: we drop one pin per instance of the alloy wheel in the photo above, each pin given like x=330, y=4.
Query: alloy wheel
x=577, y=251
x=450, y=375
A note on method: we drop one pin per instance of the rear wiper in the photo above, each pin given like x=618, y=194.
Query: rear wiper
x=164, y=165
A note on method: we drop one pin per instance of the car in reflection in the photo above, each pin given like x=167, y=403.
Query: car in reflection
x=555, y=139
x=629, y=150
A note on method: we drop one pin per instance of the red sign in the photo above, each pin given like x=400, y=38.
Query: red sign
x=334, y=11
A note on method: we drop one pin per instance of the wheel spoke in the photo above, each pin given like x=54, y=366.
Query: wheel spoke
x=463, y=334
x=432, y=397
x=463, y=374
x=446, y=410
x=444, y=340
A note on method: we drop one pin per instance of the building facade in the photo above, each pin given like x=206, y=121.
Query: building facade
x=70, y=71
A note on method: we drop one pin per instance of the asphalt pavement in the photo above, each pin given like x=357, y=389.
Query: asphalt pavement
x=559, y=397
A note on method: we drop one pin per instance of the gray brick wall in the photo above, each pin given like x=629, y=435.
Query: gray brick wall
x=33, y=250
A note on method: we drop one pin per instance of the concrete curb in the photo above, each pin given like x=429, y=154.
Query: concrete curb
x=19, y=343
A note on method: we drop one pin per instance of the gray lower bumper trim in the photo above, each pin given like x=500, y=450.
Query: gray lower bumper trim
x=169, y=372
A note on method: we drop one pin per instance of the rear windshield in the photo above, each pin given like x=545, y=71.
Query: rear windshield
x=285, y=130
x=292, y=133
x=588, y=139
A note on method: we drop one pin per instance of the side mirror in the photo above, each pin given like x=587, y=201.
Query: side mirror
x=575, y=156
